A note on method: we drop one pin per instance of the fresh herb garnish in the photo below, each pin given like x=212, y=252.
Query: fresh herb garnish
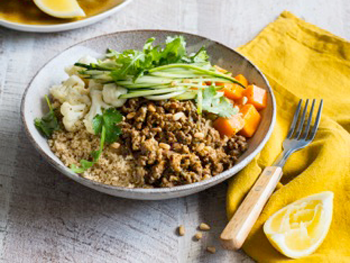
x=106, y=126
x=200, y=57
x=48, y=123
x=216, y=103
x=136, y=63
x=161, y=72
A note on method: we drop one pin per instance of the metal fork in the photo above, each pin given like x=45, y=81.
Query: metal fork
x=299, y=136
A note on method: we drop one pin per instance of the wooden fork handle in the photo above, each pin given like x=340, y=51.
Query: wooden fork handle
x=237, y=230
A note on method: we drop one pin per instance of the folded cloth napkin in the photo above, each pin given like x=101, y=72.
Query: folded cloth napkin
x=301, y=60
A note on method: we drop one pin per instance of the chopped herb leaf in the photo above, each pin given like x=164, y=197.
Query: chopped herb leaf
x=111, y=117
x=216, y=103
x=106, y=125
x=48, y=123
x=200, y=57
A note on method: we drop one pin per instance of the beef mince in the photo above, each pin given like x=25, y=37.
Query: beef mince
x=174, y=145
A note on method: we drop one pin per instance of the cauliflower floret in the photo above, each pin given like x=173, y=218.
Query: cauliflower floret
x=111, y=93
x=72, y=90
x=95, y=85
x=71, y=115
x=73, y=70
x=96, y=108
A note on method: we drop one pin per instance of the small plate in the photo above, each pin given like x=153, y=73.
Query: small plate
x=65, y=26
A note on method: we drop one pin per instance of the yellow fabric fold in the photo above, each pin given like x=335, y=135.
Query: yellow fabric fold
x=301, y=60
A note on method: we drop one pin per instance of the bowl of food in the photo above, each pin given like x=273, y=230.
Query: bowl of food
x=149, y=114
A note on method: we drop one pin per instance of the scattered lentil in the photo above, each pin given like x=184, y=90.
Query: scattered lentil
x=204, y=226
x=181, y=230
x=198, y=235
x=211, y=250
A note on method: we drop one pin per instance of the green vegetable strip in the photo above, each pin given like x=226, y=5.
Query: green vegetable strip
x=143, y=93
x=166, y=96
x=199, y=101
x=189, y=66
x=92, y=66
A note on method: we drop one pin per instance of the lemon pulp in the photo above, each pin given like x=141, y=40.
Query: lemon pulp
x=299, y=229
x=60, y=8
x=59, y=5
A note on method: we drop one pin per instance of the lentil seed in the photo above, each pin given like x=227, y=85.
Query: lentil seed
x=165, y=146
x=115, y=145
x=131, y=115
x=151, y=108
x=199, y=135
x=177, y=116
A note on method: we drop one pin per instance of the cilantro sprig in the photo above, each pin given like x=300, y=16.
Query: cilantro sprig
x=48, y=123
x=214, y=102
x=106, y=126
x=137, y=63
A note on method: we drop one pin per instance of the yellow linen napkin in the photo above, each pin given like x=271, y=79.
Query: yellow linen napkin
x=303, y=61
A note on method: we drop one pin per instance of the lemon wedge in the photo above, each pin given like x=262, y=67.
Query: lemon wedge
x=298, y=229
x=60, y=8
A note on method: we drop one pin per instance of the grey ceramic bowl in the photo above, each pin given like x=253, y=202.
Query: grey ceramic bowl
x=33, y=104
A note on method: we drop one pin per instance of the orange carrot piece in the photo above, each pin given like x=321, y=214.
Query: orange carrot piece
x=233, y=91
x=239, y=102
x=242, y=79
x=251, y=118
x=256, y=96
x=229, y=126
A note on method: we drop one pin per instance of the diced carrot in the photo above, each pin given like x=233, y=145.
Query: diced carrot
x=240, y=102
x=233, y=91
x=239, y=77
x=229, y=126
x=256, y=96
x=242, y=79
x=251, y=118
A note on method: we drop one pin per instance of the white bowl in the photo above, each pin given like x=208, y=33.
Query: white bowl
x=65, y=26
x=33, y=105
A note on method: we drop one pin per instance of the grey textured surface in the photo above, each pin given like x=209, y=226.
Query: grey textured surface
x=45, y=217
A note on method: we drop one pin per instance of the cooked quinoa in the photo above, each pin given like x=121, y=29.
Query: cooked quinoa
x=163, y=144
x=112, y=167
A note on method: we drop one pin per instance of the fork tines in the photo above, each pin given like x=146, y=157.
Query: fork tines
x=299, y=129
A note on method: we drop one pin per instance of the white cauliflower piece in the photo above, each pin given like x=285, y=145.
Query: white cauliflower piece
x=95, y=85
x=73, y=70
x=72, y=90
x=71, y=115
x=96, y=108
x=111, y=93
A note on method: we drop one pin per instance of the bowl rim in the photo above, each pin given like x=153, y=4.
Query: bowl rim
x=64, y=26
x=182, y=188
